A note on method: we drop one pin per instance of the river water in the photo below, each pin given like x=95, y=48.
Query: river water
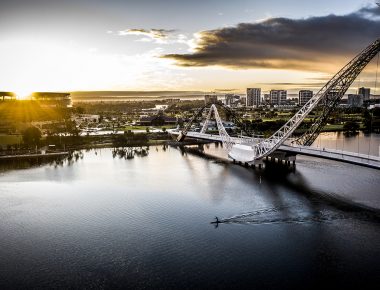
x=359, y=143
x=109, y=222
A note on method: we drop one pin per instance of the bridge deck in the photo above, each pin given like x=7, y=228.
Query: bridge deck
x=343, y=156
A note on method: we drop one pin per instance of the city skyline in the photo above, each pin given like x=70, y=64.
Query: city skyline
x=217, y=45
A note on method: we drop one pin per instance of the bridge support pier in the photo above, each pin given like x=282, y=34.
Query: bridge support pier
x=282, y=158
x=259, y=163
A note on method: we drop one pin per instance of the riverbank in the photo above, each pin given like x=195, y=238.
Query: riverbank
x=35, y=156
x=71, y=143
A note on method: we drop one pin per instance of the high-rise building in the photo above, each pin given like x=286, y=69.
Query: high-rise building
x=278, y=97
x=274, y=97
x=283, y=97
x=355, y=100
x=253, y=97
x=211, y=99
x=231, y=100
x=304, y=96
x=365, y=92
x=267, y=99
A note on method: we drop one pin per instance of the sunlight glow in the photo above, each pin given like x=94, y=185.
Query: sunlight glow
x=48, y=66
x=23, y=94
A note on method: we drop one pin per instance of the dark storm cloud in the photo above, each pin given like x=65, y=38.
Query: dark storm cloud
x=314, y=43
x=369, y=10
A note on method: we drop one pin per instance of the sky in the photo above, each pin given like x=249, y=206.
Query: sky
x=208, y=45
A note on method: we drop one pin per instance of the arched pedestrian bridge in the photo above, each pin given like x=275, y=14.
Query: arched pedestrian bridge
x=288, y=150
x=253, y=150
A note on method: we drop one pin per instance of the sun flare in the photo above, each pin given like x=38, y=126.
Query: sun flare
x=23, y=94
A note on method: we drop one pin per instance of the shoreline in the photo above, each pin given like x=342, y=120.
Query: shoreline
x=33, y=156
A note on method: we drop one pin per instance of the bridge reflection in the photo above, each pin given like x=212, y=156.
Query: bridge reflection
x=272, y=185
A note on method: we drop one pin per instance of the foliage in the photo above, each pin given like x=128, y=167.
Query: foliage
x=129, y=138
x=376, y=112
x=115, y=107
x=79, y=110
x=31, y=136
x=71, y=128
x=351, y=127
x=372, y=120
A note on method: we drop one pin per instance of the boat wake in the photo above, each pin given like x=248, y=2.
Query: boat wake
x=293, y=214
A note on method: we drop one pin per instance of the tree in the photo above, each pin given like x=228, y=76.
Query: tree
x=351, y=127
x=367, y=120
x=80, y=110
x=31, y=136
x=71, y=128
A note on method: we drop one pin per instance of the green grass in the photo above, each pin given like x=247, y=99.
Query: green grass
x=271, y=119
x=335, y=127
x=10, y=139
x=134, y=128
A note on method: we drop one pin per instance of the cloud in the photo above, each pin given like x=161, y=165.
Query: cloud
x=148, y=35
x=315, y=43
x=225, y=90
x=370, y=11
x=294, y=84
x=160, y=36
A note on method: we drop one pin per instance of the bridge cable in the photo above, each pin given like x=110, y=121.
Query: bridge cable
x=375, y=91
x=377, y=68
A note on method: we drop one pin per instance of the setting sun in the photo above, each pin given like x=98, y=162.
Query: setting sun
x=23, y=94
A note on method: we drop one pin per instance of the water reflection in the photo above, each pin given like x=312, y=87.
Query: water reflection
x=130, y=152
x=269, y=178
x=54, y=161
x=145, y=223
x=358, y=143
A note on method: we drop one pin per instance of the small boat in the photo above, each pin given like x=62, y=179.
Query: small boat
x=217, y=221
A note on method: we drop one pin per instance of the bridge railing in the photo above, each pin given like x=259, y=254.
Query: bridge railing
x=333, y=153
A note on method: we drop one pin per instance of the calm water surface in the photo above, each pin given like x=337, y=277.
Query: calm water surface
x=362, y=143
x=104, y=222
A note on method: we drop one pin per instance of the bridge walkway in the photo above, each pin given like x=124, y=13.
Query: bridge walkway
x=338, y=155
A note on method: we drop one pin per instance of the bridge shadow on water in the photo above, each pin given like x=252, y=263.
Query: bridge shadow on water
x=288, y=191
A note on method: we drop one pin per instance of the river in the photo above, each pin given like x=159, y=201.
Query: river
x=109, y=222
x=359, y=143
